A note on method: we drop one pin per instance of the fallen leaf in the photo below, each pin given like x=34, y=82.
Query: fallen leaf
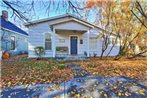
x=57, y=97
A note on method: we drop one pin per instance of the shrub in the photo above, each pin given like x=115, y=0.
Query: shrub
x=39, y=51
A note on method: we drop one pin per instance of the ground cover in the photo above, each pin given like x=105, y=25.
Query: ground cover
x=132, y=68
x=32, y=71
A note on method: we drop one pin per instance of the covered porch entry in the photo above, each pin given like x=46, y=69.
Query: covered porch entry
x=70, y=43
x=70, y=39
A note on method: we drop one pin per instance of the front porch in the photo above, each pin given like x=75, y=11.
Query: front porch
x=73, y=44
x=71, y=35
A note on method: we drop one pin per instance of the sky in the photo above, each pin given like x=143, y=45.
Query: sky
x=40, y=10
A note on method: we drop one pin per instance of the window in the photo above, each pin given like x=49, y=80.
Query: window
x=48, y=43
x=12, y=42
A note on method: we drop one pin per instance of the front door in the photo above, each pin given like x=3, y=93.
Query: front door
x=73, y=44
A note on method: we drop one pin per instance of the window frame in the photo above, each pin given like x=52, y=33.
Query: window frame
x=14, y=42
x=49, y=41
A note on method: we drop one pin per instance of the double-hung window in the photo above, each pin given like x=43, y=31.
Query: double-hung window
x=48, y=44
x=13, y=42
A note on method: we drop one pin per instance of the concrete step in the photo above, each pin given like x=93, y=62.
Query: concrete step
x=72, y=58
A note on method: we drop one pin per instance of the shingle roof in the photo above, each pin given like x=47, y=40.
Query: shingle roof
x=10, y=26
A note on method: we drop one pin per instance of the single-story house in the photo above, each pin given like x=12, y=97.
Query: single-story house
x=13, y=39
x=66, y=35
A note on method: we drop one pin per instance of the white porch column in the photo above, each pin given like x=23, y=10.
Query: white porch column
x=88, y=37
x=53, y=42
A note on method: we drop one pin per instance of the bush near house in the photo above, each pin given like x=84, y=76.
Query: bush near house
x=39, y=51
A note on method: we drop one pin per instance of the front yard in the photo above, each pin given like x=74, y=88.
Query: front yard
x=92, y=78
x=32, y=71
x=136, y=69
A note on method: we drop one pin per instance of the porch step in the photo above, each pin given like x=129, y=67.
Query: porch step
x=72, y=58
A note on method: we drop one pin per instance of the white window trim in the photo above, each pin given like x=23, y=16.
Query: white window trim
x=15, y=42
x=51, y=42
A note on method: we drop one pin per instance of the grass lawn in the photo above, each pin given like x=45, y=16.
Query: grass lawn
x=34, y=71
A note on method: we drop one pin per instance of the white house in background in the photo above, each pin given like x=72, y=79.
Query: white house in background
x=12, y=38
x=66, y=35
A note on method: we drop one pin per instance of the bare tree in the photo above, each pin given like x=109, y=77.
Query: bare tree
x=24, y=9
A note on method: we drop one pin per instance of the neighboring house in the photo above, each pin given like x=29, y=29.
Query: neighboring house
x=66, y=35
x=13, y=39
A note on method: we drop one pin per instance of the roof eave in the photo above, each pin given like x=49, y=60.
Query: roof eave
x=13, y=31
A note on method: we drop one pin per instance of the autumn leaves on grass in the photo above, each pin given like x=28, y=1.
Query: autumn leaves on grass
x=133, y=69
x=33, y=71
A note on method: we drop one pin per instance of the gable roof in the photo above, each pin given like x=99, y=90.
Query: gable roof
x=59, y=17
x=10, y=26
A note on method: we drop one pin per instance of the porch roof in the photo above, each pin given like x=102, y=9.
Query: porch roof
x=75, y=20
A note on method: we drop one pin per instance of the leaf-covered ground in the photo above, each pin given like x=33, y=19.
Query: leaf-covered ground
x=83, y=85
x=34, y=71
x=136, y=69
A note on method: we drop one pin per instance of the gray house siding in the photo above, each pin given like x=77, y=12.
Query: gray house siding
x=21, y=42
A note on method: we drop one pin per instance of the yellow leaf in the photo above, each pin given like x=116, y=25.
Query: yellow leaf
x=57, y=97
x=105, y=95
x=142, y=92
x=9, y=96
x=119, y=94
x=77, y=96
x=114, y=87
x=85, y=96
x=127, y=94
x=106, y=83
